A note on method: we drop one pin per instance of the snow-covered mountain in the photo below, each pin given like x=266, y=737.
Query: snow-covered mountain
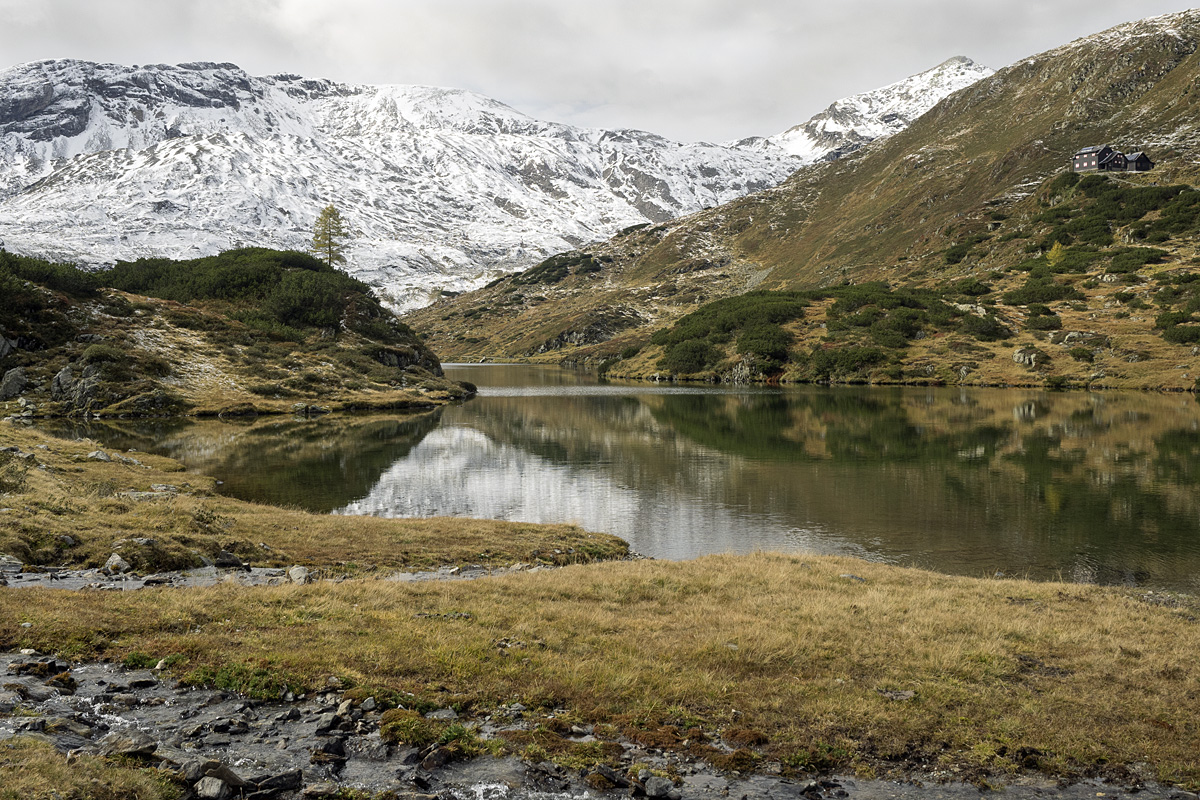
x=854, y=121
x=443, y=188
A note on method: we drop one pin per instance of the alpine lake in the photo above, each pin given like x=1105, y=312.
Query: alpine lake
x=1090, y=487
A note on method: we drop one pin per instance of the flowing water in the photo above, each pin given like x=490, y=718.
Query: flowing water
x=1093, y=487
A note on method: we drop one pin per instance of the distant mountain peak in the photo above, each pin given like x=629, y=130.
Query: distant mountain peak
x=854, y=121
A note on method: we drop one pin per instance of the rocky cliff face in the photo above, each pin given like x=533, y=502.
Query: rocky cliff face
x=445, y=189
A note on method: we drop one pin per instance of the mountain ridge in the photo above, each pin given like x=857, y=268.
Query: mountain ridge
x=446, y=188
x=960, y=194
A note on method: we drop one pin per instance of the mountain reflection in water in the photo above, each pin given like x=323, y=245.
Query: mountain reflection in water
x=1096, y=487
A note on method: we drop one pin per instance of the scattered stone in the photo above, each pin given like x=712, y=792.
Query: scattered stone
x=369, y=704
x=163, y=487
x=298, y=574
x=907, y=694
x=116, y=565
x=324, y=789
x=852, y=577
x=99, y=455
x=443, y=714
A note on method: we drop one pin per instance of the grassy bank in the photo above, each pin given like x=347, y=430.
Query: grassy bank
x=818, y=664
x=807, y=661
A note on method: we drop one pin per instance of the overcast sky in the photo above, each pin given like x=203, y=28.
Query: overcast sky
x=687, y=69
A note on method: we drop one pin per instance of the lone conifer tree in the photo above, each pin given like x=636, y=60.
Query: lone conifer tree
x=328, y=233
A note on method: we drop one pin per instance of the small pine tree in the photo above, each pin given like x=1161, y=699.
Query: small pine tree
x=328, y=234
x=1056, y=255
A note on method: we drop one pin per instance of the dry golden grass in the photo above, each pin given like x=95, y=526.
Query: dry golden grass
x=797, y=652
x=86, y=500
x=33, y=770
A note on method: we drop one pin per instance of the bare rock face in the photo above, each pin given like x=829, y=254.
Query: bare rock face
x=1030, y=357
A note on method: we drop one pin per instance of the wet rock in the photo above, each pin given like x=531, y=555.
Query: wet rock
x=439, y=757
x=327, y=723
x=332, y=751
x=13, y=383
x=116, y=565
x=284, y=782
x=63, y=682
x=127, y=743
x=321, y=790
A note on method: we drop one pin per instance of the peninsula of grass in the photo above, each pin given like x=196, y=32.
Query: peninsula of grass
x=60, y=506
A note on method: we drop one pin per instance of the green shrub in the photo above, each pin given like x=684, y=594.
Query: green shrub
x=985, y=329
x=843, y=362
x=1082, y=354
x=102, y=354
x=689, y=357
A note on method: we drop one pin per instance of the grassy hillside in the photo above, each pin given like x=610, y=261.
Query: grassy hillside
x=249, y=330
x=967, y=193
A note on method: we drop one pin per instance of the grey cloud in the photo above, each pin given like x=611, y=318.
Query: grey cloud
x=688, y=69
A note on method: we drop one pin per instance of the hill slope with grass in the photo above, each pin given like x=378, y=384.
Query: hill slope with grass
x=246, y=331
x=959, y=206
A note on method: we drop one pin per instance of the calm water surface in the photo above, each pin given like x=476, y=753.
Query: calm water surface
x=1087, y=487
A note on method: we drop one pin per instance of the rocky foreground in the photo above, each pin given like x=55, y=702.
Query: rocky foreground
x=221, y=745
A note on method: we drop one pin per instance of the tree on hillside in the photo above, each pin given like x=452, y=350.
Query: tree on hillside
x=329, y=232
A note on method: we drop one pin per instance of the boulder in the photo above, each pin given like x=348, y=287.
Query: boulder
x=116, y=565
x=1030, y=357
x=658, y=787
x=227, y=560
x=13, y=383
x=127, y=743
x=298, y=574
x=210, y=788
